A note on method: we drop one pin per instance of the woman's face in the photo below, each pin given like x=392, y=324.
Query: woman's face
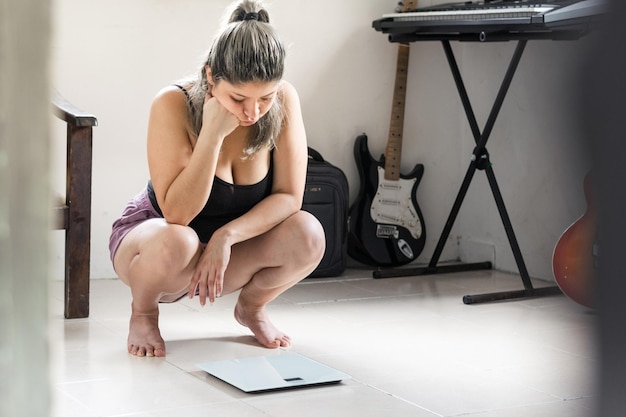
x=249, y=102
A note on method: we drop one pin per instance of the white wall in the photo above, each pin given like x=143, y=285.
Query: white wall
x=111, y=57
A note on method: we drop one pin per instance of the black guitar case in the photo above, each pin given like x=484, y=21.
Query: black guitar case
x=326, y=196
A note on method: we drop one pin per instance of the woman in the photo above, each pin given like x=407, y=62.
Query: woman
x=227, y=154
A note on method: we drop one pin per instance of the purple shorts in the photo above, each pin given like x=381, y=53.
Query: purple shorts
x=137, y=211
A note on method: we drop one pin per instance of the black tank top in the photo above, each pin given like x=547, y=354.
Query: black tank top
x=226, y=202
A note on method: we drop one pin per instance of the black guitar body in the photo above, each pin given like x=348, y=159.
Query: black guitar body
x=386, y=223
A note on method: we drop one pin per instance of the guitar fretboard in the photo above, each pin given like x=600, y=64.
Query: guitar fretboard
x=393, y=152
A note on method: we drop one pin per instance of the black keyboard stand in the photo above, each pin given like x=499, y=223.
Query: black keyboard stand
x=479, y=161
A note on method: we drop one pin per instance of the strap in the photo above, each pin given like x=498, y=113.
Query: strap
x=315, y=155
x=184, y=91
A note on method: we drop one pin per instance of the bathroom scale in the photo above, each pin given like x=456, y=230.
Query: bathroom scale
x=274, y=372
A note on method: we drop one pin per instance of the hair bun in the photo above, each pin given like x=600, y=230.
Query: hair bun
x=249, y=10
x=251, y=16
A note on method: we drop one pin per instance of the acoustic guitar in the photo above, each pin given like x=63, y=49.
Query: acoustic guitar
x=576, y=255
x=386, y=223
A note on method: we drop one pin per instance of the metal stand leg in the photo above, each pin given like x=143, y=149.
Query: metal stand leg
x=479, y=161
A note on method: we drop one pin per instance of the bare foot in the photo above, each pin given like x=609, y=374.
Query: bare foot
x=264, y=331
x=144, y=337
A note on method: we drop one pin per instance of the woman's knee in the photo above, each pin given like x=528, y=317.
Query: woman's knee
x=161, y=250
x=308, y=235
x=174, y=249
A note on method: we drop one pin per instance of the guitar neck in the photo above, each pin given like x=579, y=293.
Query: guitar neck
x=393, y=152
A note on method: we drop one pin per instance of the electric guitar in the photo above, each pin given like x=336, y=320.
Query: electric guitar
x=386, y=224
x=576, y=255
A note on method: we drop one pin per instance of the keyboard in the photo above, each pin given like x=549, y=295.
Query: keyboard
x=454, y=12
x=479, y=17
x=578, y=12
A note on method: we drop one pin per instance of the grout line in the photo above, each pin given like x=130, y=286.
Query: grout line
x=344, y=300
x=397, y=397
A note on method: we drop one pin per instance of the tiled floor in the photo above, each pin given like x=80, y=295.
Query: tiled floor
x=410, y=344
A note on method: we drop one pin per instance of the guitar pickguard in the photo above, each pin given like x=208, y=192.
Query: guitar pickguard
x=393, y=205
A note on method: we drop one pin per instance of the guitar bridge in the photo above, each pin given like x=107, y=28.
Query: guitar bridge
x=385, y=231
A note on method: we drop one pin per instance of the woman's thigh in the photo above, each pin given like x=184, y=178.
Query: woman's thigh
x=157, y=249
x=292, y=248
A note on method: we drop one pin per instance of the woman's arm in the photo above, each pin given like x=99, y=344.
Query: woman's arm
x=182, y=171
x=290, y=164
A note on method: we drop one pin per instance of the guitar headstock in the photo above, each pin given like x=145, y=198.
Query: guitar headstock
x=406, y=5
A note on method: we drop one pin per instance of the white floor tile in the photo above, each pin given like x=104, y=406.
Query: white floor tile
x=410, y=344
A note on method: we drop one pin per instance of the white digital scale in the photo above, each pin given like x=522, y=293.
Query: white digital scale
x=274, y=372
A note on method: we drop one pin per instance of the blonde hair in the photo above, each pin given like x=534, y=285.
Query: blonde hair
x=247, y=49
